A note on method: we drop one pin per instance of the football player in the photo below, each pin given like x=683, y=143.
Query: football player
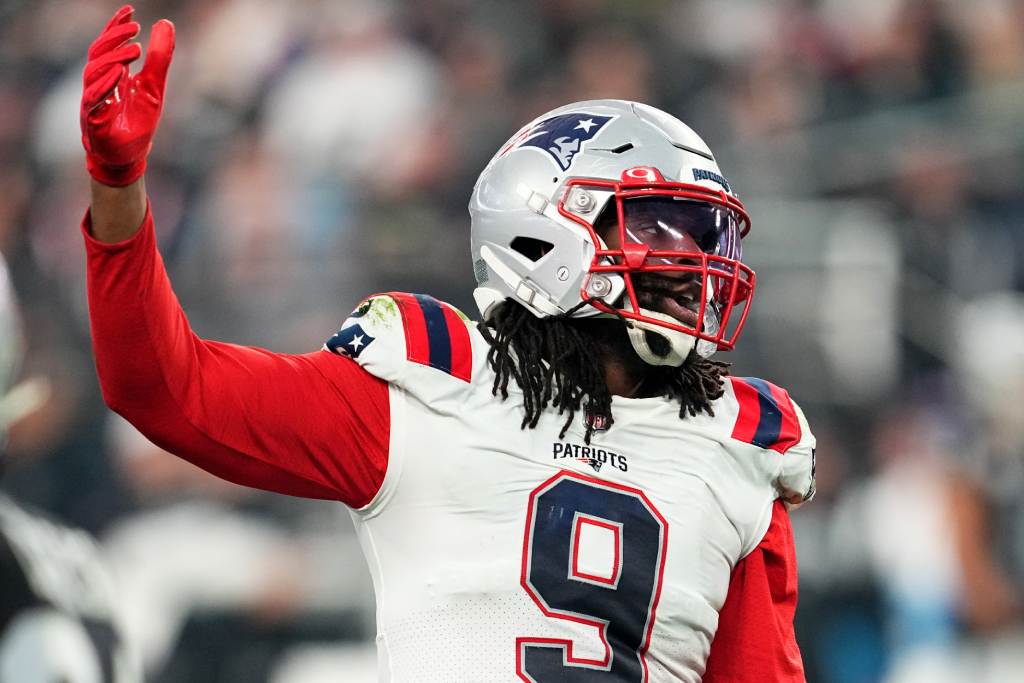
x=569, y=490
x=57, y=610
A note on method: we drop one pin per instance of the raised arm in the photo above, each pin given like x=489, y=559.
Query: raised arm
x=313, y=425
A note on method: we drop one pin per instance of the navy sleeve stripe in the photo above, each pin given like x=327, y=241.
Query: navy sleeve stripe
x=769, y=425
x=437, y=333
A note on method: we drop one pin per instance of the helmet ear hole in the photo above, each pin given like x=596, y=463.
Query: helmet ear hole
x=658, y=344
x=530, y=247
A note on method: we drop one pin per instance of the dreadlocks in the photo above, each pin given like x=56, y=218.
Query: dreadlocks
x=558, y=362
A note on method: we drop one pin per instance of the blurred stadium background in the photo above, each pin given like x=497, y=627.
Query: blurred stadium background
x=315, y=151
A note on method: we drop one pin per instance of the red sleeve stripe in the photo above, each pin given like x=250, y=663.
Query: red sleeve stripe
x=749, y=411
x=789, y=430
x=766, y=416
x=435, y=335
x=462, y=351
x=417, y=344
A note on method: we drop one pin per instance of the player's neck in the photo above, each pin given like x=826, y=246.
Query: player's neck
x=627, y=375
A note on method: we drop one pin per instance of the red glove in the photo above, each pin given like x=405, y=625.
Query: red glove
x=120, y=112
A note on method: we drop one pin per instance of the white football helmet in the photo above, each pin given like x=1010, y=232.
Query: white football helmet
x=592, y=174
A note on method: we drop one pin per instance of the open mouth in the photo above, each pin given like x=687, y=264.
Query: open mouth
x=678, y=299
x=684, y=308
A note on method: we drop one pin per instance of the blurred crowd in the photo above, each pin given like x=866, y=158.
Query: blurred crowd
x=312, y=152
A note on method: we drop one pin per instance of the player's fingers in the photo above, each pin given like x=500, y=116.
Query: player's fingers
x=122, y=55
x=120, y=16
x=112, y=38
x=153, y=77
x=104, y=83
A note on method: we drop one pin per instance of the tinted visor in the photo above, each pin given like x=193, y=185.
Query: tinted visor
x=662, y=223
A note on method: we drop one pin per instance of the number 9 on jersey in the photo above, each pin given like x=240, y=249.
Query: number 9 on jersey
x=619, y=597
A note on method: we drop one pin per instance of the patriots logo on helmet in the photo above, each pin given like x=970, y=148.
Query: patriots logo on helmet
x=562, y=136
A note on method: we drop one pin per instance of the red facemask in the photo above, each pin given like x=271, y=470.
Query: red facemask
x=677, y=247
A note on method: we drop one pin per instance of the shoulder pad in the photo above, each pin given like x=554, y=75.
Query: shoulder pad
x=768, y=418
x=767, y=415
x=387, y=332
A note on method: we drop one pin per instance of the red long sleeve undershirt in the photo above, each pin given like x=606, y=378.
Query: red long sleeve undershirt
x=314, y=425
x=755, y=641
x=317, y=425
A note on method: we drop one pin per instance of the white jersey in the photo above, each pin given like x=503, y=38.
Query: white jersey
x=501, y=554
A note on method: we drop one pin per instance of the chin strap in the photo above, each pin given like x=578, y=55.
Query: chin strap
x=680, y=343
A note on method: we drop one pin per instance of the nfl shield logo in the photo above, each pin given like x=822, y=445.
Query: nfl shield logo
x=594, y=422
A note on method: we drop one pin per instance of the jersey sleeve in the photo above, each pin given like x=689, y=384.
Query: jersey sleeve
x=796, y=481
x=755, y=640
x=412, y=341
x=313, y=425
x=768, y=418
